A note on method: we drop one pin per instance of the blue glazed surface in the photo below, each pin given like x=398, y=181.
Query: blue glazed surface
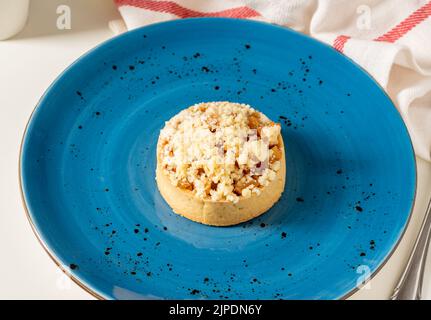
x=88, y=162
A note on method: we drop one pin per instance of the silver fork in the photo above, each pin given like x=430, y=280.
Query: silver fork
x=409, y=286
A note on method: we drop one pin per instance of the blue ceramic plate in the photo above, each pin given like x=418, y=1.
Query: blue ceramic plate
x=88, y=166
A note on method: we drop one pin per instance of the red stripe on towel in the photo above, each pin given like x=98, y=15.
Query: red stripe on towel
x=396, y=32
x=182, y=12
x=339, y=42
x=407, y=24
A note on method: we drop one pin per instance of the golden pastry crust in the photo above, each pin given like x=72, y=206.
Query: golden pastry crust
x=238, y=206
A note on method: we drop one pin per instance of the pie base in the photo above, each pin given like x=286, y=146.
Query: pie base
x=221, y=213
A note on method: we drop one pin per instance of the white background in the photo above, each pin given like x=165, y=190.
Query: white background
x=28, y=64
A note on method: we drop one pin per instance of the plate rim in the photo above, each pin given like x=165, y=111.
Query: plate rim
x=103, y=296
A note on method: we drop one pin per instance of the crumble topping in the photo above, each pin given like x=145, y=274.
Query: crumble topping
x=220, y=150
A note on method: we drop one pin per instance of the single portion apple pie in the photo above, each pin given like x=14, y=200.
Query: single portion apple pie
x=220, y=163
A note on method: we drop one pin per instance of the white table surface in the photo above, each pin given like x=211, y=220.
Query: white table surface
x=28, y=64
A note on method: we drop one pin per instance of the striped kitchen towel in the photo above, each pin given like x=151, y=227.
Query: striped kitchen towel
x=391, y=39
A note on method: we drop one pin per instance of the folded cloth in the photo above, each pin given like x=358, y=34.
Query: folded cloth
x=391, y=39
